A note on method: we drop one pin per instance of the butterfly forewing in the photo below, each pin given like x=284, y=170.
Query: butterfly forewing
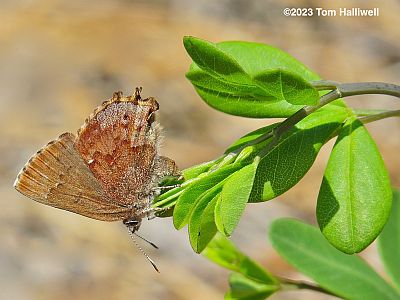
x=56, y=175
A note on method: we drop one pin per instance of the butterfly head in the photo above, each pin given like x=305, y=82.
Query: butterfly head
x=132, y=224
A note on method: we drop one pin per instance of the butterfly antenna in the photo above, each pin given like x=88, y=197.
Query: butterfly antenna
x=141, y=250
x=146, y=240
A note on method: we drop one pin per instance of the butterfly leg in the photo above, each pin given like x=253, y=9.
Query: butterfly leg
x=151, y=211
x=166, y=187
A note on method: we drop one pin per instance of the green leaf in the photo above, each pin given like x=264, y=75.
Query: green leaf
x=287, y=162
x=208, y=57
x=287, y=86
x=186, y=200
x=245, y=105
x=234, y=196
x=247, y=154
x=224, y=253
x=250, y=137
x=201, y=223
x=244, y=288
x=355, y=197
x=335, y=112
x=307, y=250
x=389, y=242
x=167, y=198
x=255, y=58
x=226, y=160
x=218, y=221
x=196, y=170
x=235, y=84
x=228, y=78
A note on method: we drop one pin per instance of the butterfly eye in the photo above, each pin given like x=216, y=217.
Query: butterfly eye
x=151, y=118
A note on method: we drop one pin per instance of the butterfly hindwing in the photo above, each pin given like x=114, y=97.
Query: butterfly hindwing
x=118, y=142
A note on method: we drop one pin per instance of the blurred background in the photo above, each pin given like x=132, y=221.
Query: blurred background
x=60, y=59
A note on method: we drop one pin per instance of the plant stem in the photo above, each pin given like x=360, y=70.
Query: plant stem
x=363, y=88
x=358, y=88
x=322, y=85
x=290, y=122
x=255, y=141
x=368, y=112
x=289, y=285
x=304, y=112
x=379, y=116
x=341, y=90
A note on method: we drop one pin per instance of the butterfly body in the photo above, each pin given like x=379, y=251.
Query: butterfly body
x=109, y=171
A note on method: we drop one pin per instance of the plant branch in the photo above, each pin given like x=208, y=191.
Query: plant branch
x=341, y=90
x=322, y=85
x=290, y=122
x=338, y=90
x=379, y=116
x=289, y=285
x=363, y=88
x=358, y=88
x=304, y=112
x=256, y=141
x=368, y=112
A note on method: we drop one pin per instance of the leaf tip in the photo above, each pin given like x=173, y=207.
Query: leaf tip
x=190, y=41
x=186, y=40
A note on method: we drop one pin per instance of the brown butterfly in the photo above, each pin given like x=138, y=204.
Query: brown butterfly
x=109, y=171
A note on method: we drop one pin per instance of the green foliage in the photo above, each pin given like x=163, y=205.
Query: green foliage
x=249, y=280
x=250, y=174
x=234, y=196
x=198, y=189
x=243, y=288
x=259, y=81
x=355, y=196
x=305, y=248
x=347, y=276
x=290, y=159
x=202, y=227
x=197, y=170
x=389, y=242
x=249, y=79
x=250, y=137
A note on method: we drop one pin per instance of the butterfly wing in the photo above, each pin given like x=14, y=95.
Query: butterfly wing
x=118, y=142
x=57, y=176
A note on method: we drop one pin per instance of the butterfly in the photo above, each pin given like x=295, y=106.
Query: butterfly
x=109, y=171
